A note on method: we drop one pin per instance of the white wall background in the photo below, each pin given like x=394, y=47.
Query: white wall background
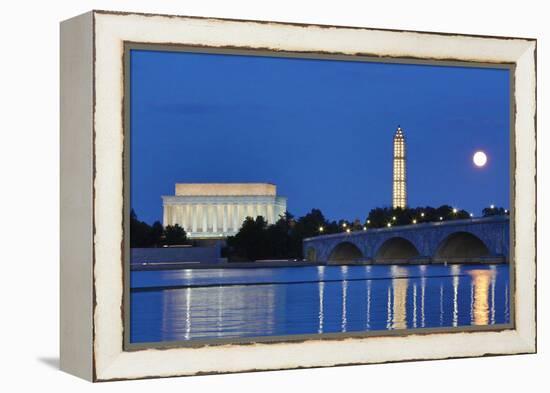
x=29, y=195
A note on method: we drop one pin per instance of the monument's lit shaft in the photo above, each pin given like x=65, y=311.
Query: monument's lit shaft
x=399, y=170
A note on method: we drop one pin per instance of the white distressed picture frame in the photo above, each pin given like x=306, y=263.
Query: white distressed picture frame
x=92, y=150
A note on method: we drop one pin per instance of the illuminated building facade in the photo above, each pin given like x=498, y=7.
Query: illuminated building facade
x=217, y=210
x=399, y=170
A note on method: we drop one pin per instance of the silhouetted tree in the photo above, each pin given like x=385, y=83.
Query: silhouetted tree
x=174, y=235
x=250, y=243
x=278, y=236
x=145, y=235
x=378, y=217
x=156, y=234
x=139, y=232
x=494, y=211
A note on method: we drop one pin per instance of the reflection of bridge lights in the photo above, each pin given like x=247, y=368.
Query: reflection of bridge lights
x=414, y=306
x=321, y=306
x=369, y=284
x=455, y=300
x=320, y=271
x=344, y=306
x=187, y=334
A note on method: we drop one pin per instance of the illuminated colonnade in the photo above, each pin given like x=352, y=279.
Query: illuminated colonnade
x=217, y=210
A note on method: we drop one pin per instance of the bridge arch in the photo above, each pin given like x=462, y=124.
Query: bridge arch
x=345, y=252
x=461, y=245
x=396, y=249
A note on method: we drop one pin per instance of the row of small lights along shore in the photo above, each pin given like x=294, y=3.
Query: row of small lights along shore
x=414, y=221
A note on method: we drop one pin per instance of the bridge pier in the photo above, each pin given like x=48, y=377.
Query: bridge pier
x=360, y=262
x=491, y=259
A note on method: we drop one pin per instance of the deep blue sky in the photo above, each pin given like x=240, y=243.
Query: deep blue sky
x=320, y=130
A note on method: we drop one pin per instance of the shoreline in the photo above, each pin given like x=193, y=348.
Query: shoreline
x=220, y=265
x=151, y=266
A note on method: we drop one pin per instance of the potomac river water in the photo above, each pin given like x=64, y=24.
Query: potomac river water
x=191, y=304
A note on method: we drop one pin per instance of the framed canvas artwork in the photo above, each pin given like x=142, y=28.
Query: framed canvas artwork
x=246, y=195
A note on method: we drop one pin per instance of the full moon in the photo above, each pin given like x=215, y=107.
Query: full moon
x=480, y=159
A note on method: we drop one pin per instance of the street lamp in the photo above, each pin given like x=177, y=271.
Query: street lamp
x=492, y=206
x=414, y=221
x=440, y=218
x=348, y=230
x=321, y=229
x=389, y=224
x=455, y=210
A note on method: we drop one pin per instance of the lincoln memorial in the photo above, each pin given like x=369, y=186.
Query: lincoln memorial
x=217, y=210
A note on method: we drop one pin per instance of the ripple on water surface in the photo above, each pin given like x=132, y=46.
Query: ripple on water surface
x=187, y=304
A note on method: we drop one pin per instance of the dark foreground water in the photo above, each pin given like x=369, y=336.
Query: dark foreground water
x=187, y=304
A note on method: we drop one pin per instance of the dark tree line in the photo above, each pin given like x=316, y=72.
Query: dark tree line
x=495, y=211
x=382, y=216
x=386, y=216
x=257, y=240
x=145, y=235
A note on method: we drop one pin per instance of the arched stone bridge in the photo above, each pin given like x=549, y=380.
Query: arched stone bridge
x=473, y=240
